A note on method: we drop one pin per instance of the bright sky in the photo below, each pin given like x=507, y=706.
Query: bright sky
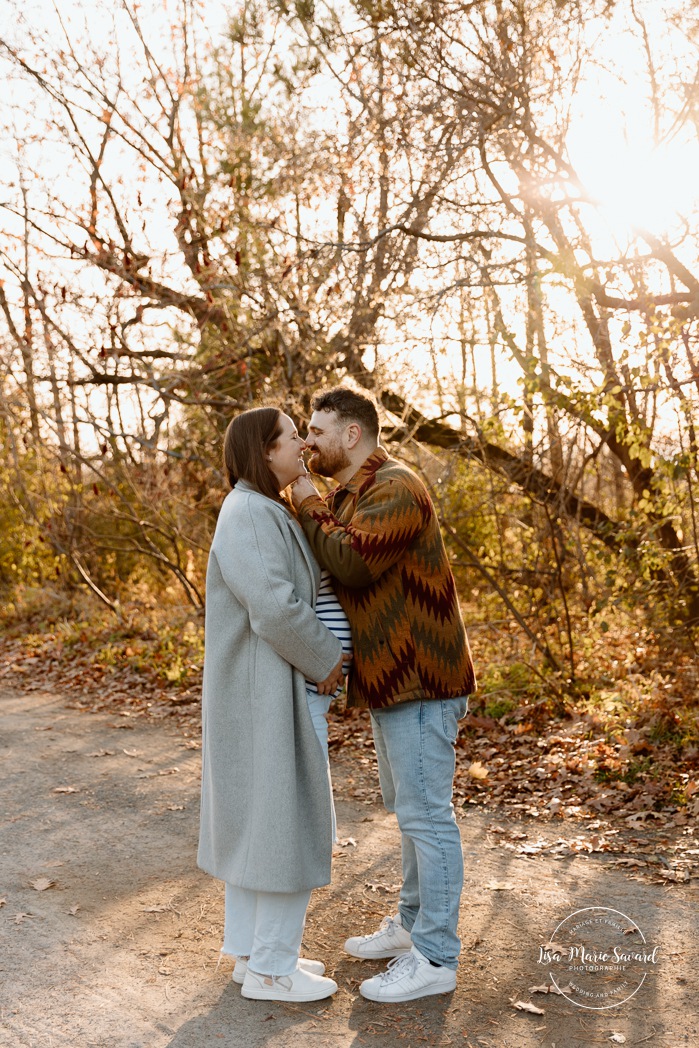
x=636, y=180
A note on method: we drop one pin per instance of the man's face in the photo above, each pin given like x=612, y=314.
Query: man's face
x=326, y=452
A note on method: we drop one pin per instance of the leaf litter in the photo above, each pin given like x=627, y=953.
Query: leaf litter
x=618, y=777
x=42, y=884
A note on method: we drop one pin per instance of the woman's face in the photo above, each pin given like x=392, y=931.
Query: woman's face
x=285, y=456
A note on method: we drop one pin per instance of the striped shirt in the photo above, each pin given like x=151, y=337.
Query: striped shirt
x=329, y=611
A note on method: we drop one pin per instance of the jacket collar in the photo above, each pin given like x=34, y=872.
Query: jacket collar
x=245, y=486
x=367, y=469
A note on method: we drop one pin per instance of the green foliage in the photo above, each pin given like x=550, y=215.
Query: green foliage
x=160, y=646
x=172, y=653
x=505, y=687
x=629, y=773
x=28, y=556
x=314, y=178
x=497, y=707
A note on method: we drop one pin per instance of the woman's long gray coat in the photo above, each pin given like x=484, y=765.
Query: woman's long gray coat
x=265, y=803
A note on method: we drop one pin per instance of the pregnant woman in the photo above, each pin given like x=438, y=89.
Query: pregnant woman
x=266, y=811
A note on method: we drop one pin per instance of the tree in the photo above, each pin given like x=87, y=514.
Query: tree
x=369, y=192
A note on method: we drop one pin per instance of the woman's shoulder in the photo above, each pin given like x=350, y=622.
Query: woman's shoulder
x=244, y=503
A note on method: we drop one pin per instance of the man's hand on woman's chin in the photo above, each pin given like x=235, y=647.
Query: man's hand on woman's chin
x=301, y=489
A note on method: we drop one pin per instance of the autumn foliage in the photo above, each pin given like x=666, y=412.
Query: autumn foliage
x=197, y=214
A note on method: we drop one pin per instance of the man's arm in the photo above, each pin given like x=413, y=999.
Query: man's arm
x=261, y=581
x=387, y=519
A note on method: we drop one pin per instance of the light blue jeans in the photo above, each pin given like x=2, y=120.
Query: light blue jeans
x=415, y=750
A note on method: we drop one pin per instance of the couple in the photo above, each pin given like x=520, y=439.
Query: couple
x=266, y=810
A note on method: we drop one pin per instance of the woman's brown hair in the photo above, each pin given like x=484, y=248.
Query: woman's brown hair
x=248, y=438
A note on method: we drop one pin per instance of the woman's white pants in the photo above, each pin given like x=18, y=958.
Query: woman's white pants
x=318, y=706
x=267, y=927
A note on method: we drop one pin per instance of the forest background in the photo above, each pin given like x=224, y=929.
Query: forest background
x=485, y=213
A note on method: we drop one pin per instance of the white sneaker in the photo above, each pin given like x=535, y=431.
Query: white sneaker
x=299, y=986
x=408, y=977
x=241, y=967
x=391, y=940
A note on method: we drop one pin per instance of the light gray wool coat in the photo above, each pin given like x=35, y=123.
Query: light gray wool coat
x=265, y=802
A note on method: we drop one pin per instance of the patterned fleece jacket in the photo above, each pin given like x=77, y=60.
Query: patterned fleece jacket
x=378, y=535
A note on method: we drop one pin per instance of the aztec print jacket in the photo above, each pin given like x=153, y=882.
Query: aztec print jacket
x=379, y=537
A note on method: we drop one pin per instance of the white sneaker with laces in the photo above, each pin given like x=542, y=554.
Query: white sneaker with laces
x=241, y=967
x=391, y=940
x=408, y=977
x=299, y=986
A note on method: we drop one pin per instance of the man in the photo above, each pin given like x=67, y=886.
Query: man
x=378, y=535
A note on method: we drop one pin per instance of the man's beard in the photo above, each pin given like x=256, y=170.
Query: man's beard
x=328, y=463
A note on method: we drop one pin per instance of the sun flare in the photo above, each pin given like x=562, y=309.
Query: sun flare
x=634, y=183
x=637, y=167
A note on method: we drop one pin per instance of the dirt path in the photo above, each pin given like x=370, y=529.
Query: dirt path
x=121, y=950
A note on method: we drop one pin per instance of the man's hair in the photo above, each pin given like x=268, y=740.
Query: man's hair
x=349, y=406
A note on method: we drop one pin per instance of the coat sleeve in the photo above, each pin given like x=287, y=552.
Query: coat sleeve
x=387, y=519
x=253, y=556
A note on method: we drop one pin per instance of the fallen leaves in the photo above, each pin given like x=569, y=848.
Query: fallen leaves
x=42, y=884
x=117, y=673
x=529, y=761
x=582, y=763
x=675, y=862
x=382, y=889
x=678, y=876
x=527, y=1006
x=476, y=770
x=642, y=816
x=550, y=988
x=20, y=918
